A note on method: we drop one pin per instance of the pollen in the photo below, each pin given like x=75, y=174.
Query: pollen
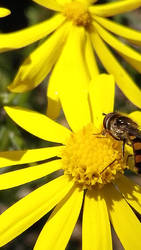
x=78, y=13
x=92, y=159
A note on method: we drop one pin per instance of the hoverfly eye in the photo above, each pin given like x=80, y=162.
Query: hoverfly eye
x=120, y=122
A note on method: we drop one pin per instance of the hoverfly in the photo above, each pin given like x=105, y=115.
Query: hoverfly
x=125, y=129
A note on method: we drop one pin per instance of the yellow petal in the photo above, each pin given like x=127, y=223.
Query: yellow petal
x=133, y=35
x=58, y=229
x=130, y=55
x=10, y=158
x=31, y=208
x=22, y=38
x=22, y=176
x=62, y=2
x=53, y=101
x=130, y=191
x=90, y=59
x=88, y=2
x=50, y=4
x=73, y=83
x=123, y=218
x=4, y=12
x=96, y=232
x=101, y=96
x=136, y=64
x=40, y=62
x=136, y=116
x=38, y=124
x=124, y=81
x=114, y=8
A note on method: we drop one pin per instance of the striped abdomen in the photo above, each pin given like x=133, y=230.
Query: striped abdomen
x=136, y=144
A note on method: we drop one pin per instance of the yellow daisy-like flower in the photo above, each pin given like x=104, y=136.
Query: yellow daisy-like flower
x=93, y=167
x=4, y=12
x=78, y=28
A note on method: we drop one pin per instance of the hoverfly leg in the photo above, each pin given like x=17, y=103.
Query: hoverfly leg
x=101, y=133
x=108, y=166
x=97, y=133
x=123, y=147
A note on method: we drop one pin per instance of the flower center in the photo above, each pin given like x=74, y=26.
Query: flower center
x=78, y=13
x=92, y=159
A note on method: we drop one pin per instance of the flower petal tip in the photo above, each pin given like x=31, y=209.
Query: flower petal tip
x=4, y=12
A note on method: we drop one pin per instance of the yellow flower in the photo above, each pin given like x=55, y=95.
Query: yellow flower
x=4, y=12
x=78, y=28
x=92, y=162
